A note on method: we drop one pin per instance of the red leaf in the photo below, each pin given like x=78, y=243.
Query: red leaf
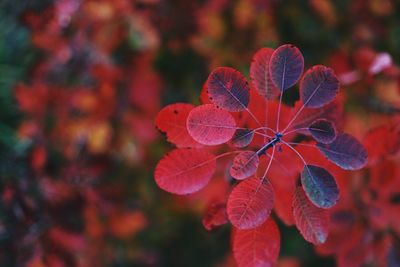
x=228, y=89
x=215, y=215
x=257, y=247
x=184, y=171
x=210, y=125
x=260, y=76
x=172, y=120
x=286, y=66
x=382, y=141
x=244, y=165
x=311, y=221
x=250, y=203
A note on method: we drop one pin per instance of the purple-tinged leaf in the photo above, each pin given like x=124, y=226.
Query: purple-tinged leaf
x=346, y=152
x=185, y=171
x=323, y=131
x=286, y=66
x=260, y=75
x=318, y=87
x=250, y=203
x=242, y=138
x=209, y=125
x=244, y=165
x=257, y=247
x=312, y=222
x=228, y=89
x=320, y=186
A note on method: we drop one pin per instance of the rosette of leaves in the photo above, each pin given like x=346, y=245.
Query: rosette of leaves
x=251, y=124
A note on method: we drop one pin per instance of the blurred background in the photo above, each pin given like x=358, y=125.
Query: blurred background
x=81, y=82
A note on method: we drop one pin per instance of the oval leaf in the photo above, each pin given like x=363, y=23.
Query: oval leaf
x=209, y=125
x=311, y=221
x=260, y=75
x=250, y=203
x=320, y=186
x=286, y=66
x=242, y=137
x=172, y=121
x=184, y=171
x=346, y=152
x=244, y=165
x=228, y=89
x=257, y=247
x=318, y=87
x=323, y=131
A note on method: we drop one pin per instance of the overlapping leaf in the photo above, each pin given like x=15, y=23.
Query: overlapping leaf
x=244, y=165
x=172, y=120
x=286, y=66
x=320, y=186
x=260, y=75
x=242, y=137
x=258, y=246
x=346, y=152
x=228, y=89
x=250, y=203
x=185, y=171
x=311, y=221
x=209, y=125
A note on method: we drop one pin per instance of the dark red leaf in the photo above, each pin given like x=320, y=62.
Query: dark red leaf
x=228, y=89
x=257, y=247
x=323, y=131
x=318, y=87
x=242, y=138
x=320, y=186
x=215, y=215
x=172, y=120
x=286, y=66
x=311, y=221
x=250, y=203
x=209, y=125
x=244, y=165
x=260, y=75
x=346, y=152
x=382, y=141
x=184, y=171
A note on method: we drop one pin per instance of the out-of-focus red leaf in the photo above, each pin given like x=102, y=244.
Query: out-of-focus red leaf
x=382, y=141
x=125, y=225
x=215, y=215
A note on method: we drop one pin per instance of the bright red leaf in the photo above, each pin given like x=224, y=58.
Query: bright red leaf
x=250, y=203
x=184, y=171
x=209, y=125
x=172, y=121
x=258, y=246
x=311, y=221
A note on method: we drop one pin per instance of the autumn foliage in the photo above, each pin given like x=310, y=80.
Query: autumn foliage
x=230, y=115
x=193, y=133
